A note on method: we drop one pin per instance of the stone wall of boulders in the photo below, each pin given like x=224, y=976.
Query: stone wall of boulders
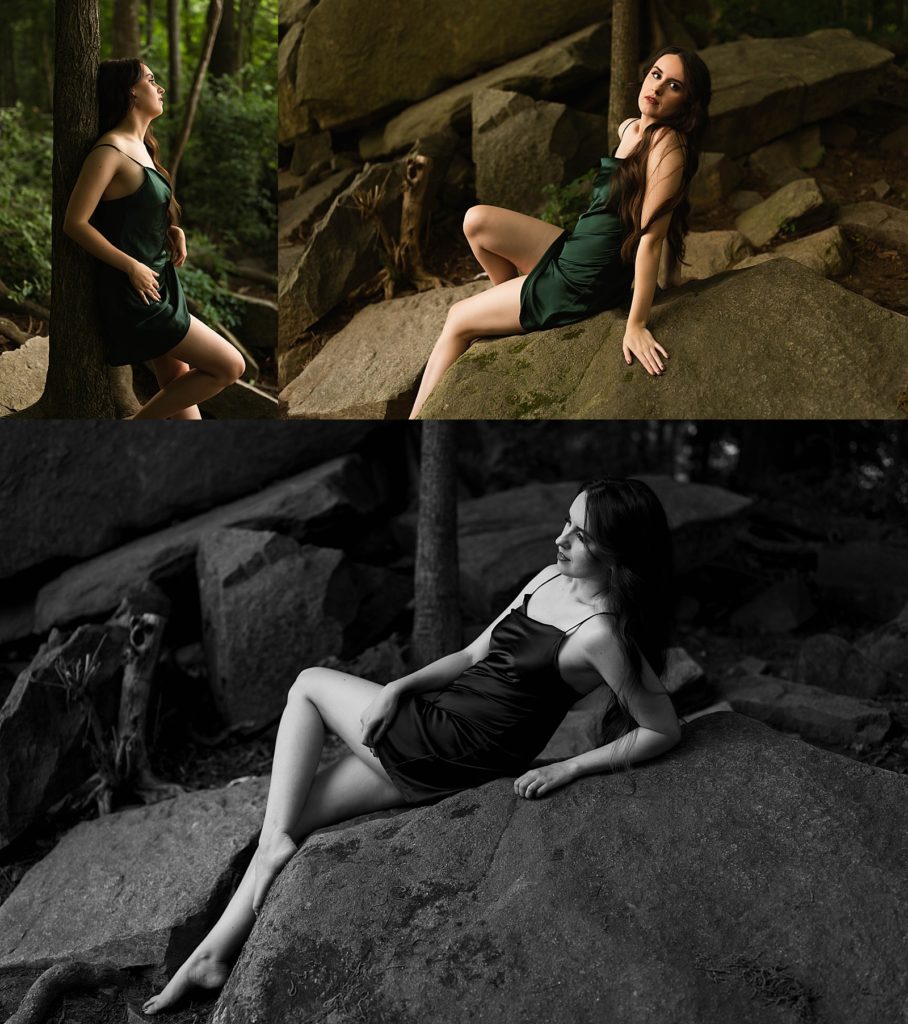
x=502, y=127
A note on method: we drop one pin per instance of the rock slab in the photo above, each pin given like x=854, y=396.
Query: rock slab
x=140, y=887
x=486, y=907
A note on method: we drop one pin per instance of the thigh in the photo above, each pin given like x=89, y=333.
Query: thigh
x=492, y=312
x=167, y=368
x=342, y=791
x=341, y=700
x=206, y=350
x=518, y=238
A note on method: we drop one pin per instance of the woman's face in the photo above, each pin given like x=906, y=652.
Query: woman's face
x=149, y=96
x=664, y=91
x=579, y=556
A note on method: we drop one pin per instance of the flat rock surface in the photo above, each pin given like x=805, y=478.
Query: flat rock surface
x=497, y=556
x=763, y=88
x=773, y=321
x=295, y=507
x=88, y=461
x=139, y=887
x=739, y=860
x=885, y=224
x=371, y=368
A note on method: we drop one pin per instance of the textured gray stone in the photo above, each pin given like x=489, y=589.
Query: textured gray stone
x=521, y=145
x=140, y=887
x=555, y=70
x=834, y=664
x=814, y=713
x=22, y=374
x=794, y=207
x=488, y=907
x=297, y=214
x=241, y=401
x=764, y=88
x=887, y=225
x=297, y=507
x=710, y=252
x=772, y=318
x=825, y=252
x=257, y=321
x=716, y=176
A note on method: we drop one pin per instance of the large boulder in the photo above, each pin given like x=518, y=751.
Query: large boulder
x=743, y=876
x=371, y=368
x=343, y=251
x=351, y=68
x=506, y=537
x=773, y=320
x=708, y=253
x=521, y=145
x=136, y=888
x=834, y=664
x=297, y=214
x=763, y=88
x=882, y=223
x=107, y=480
x=556, y=70
x=43, y=754
x=270, y=608
x=716, y=177
x=825, y=252
x=22, y=374
x=797, y=206
x=815, y=714
x=300, y=507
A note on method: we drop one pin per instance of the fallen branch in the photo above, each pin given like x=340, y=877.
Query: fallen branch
x=56, y=981
x=13, y=333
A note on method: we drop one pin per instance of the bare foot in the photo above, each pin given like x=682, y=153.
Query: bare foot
x=273, y=853
x=201, y=970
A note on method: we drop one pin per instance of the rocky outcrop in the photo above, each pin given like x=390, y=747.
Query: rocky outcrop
x=716, y=177
x=834, y=664
x=371, y=368
x=797, y=206
x=773, y=320
x=815, y=714
x=507, y=536
x=257, y=324
x=884, y=224
x=826, y=253
x=22, y=374
x=137, y=888
x=782, y=160
x=297, y=214
x=241, y=401
x=351, y=68
x=342, y=252
x=298, y=507
x=556, y=69
x=521, y=145
x=109, y=479
x=302, y=598
x=43, y=753
x=487, y=906
x=710, y=252
x=763, y=88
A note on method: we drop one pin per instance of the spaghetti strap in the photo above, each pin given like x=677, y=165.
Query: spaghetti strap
x=577, y=625
x=117, y=148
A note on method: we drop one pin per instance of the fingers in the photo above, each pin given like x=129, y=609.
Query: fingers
x=530, y=785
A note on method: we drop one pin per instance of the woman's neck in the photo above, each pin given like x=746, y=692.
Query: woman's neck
x=134, y=127
x=588, y=590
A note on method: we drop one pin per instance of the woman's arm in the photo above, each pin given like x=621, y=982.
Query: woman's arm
x=664, y=169
x=658, y=729
x=97, y=173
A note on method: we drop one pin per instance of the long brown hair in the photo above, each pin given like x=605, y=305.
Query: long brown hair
x=689, y=125
x=115, y=100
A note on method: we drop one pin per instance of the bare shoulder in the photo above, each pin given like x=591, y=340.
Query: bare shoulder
x=544, y=574
x=622, y=128
x=599, y=633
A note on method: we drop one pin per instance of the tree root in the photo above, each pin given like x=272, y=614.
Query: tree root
x=56, y=981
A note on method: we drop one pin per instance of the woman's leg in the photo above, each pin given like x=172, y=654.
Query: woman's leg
x=215, y=364
x=507, y=243
x=167, y=369
x=492, y=312
x=355, y=785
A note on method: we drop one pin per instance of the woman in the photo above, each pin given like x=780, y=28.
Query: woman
x=545, y=277
x=123, y=212
x=600, y=613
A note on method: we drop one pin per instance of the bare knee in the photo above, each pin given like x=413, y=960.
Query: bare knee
x=229, y=369
x=475, y=221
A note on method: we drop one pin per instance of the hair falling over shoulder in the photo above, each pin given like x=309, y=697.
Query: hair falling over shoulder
x=687, y=127
x=115, y=80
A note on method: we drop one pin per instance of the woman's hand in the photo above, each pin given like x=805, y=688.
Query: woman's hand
x=539, y=781
x=379, y=715
x=640, y=343
x=145, y=282
x=177, y=240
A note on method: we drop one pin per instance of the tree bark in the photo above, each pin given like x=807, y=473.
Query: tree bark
x=225, y=57
x=248, y=9
x=78, y=383
x=126, y=39
x=174, y=85
x=436, y=621
x=624, y=84
x=149, y=24
x=215, y=9
x=56, y=981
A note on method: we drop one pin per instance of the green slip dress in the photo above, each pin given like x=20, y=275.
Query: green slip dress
x=581, y=273
x=132, y=330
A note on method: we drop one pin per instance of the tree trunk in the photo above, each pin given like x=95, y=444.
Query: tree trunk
x=149, y=24
x=248, y=9
x=78, y=383
x=174, y=84
x=225, y=57
x=436, y=621
x=624, y=84
x=126, y=39
x=215, y=8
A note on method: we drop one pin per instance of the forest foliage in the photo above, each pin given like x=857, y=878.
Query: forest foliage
x=227, y=181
